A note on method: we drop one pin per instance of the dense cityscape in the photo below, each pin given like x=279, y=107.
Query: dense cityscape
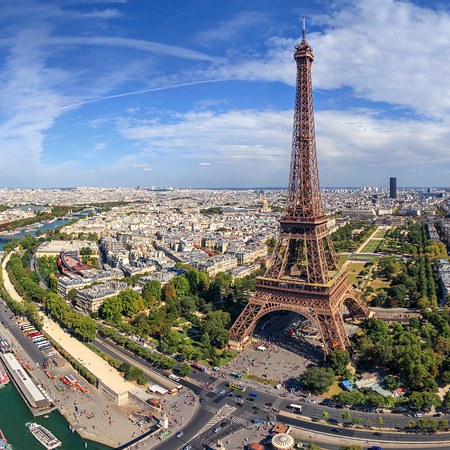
x=250, y=318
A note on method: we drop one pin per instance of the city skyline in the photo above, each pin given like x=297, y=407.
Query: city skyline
x=124, y=93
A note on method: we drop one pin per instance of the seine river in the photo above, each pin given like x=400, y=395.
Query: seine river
x=45, y=227
x=14, y=415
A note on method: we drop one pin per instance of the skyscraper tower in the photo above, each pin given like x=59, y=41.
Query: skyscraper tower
x=392, y=187
x=304, y=275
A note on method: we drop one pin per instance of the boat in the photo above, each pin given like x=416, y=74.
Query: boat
x=4, y=379
x=45, y=437
x=3, y=441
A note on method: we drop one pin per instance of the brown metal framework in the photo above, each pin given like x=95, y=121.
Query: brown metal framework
x=304, y=275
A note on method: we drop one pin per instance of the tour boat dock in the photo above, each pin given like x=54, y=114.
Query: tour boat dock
x=37, y=402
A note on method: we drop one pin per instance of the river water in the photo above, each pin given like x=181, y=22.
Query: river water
x=14, y=415
x=45, y=227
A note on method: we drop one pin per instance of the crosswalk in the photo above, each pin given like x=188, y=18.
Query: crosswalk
x=220, y=414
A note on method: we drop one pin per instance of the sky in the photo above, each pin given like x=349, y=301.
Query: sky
x=200, y=93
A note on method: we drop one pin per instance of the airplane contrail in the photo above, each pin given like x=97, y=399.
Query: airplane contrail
x=144, y=91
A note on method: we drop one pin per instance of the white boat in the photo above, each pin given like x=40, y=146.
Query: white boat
x=45, y=437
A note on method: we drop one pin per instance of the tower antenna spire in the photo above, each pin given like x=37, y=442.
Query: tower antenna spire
x=303, y=28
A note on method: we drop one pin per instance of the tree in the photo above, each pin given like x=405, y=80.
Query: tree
x=380, y=421
x=181, y=285
x=325, y=415
x=168, y=291
x=72, y=295
x=129, y=299
x=346, y=416
x=152, y=291
x=316, y=379
x=111, y=309
x=185, y=369
x=338, y=360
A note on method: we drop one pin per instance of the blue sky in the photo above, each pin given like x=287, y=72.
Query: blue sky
x=200, y=93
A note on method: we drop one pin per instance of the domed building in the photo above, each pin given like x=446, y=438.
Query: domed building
x=283, y=441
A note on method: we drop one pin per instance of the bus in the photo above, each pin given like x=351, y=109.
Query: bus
x=36, y=336
x=46, y=347
x=42, y=344
x=199, y=367
x=236, y=387
x=296, y=408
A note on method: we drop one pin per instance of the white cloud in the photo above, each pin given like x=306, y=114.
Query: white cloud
x=254, y=146
x=384, y=51
x=232, y=28
x=133, y=44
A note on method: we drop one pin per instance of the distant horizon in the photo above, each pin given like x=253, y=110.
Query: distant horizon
x=168, y=188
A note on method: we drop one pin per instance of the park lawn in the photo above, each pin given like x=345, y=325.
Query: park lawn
x=333, y=390
x=230, y=354
x=379, y=283
x=342, y=259
x=353, y=270
x=371, y=246
x=381, y=233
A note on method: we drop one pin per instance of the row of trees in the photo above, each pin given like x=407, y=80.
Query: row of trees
x=412, y=283
x=27, y=285
x=347, y=238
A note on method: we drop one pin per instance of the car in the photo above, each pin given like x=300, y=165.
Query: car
x=253, y=394
x=239, y=404
x=222, y=391
x=255, y=408
x=217, y=429
x=224, y=423
x=437, y=415
x=375, y=447
x=335, y=430
x=311, y=400
x=230, y=394
x=197, y=392
x=179, y=434
x=187, y=447
x=251, y=399
x=268, y=404
x=417, y=415
x=202, y=400
x=377, y=434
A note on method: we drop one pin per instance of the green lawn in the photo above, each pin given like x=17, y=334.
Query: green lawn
x=381, y=233
x=371, y=247
x=380, y=283
x=333, y=390
x=353, y=270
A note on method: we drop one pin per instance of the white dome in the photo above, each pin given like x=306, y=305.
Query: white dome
x=283, y=441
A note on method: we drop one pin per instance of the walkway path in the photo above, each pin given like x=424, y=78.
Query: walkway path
x=7, y=282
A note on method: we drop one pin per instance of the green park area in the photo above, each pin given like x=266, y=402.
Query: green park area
x=353, y=270
x=381, y=234
x=372, y=246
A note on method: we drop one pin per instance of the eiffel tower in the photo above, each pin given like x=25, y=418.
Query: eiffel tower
x=304, y=275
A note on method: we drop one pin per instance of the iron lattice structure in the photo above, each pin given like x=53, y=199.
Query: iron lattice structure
x=304, y=275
